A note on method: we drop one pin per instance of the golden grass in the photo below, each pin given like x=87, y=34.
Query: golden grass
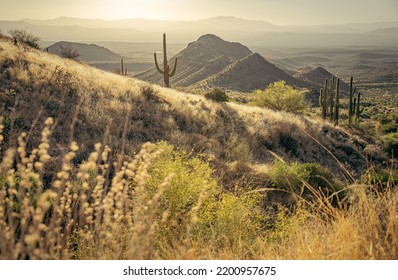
x=59, y=200
x=88, y=213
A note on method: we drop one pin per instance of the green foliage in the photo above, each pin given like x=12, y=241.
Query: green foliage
x=389, y=128
x=391, y=143
x=222, y=216
x=381, y=179
x=230, y=220
x=291, y=176
x=21, y=36
x=191, y=176
x=282, y=97
x=217, y=95
x=167, y=71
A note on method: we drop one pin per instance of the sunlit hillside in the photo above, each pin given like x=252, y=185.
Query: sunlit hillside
x=96, y=165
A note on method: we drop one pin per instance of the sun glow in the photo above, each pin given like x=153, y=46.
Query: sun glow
x=119, y=9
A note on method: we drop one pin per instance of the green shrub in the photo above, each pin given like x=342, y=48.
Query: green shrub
x=282, y=97
x=389, y=128
x=21, y=36
x=291, y=176
x=230, y=220
x=380, y=179
x=226, y=217
x=391, y=143
x=217, y=95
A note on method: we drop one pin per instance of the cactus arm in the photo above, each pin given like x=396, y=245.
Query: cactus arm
x=156, y=63
x=174, y=68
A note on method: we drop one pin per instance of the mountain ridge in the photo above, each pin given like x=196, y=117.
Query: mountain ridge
x=87, y=52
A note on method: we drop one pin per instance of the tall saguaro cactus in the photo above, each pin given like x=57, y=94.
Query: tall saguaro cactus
x=167, y=72
x=329, y=100
x=354, y=109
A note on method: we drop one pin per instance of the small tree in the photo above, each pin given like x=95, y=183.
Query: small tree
x=282, y=97
x=68, y=52
x=21, y=36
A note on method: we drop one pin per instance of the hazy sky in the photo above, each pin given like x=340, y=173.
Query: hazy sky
x=280, y=12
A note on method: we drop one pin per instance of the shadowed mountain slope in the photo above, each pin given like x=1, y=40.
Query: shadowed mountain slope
x=251, y=73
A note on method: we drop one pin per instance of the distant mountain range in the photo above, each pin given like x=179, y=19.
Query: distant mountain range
x=231, y=28
x=87, y=52
x=211, y=62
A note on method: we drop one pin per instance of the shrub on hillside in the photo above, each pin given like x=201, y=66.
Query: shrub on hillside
x=191, y=186
x=391, y=144
x=381, y=179
x=69, y=52
x=217, y=95
x=21, y=36
x=282, y=97
x=292, y=176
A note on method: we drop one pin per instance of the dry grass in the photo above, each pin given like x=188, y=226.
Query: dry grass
x=59, y=200
x=90, y=212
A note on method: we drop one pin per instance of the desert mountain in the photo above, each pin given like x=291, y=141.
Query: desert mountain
x=88, y=52
x=212, y=62
x=251, y=73
x=199, y=60
x=317, y=77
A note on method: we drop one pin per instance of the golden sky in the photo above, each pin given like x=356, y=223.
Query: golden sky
x=282, y=12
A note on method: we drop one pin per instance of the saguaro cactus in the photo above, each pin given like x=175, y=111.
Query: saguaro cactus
x=337, y=105
x=329, y=100
x=354, y=109
x=167, y=72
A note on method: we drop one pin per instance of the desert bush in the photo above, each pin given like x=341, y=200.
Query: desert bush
x=217, y=95
x=388, y=128
x=237, y=149
x=282, y=97
x=391, y=143
x=292, y=176
x=69, y=52
x=380, y=179
x=21, y=36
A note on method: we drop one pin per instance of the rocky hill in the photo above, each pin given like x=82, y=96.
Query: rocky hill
x=251, y=73
x=213, y=62
x=317, y=77
x=88, y=52
x=200, y=60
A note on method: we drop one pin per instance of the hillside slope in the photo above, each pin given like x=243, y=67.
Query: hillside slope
x=125, y=113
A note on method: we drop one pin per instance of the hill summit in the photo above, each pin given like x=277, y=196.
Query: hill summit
x=199, y=60
x=87, y=52
x=317, y=77
x=213, y=62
